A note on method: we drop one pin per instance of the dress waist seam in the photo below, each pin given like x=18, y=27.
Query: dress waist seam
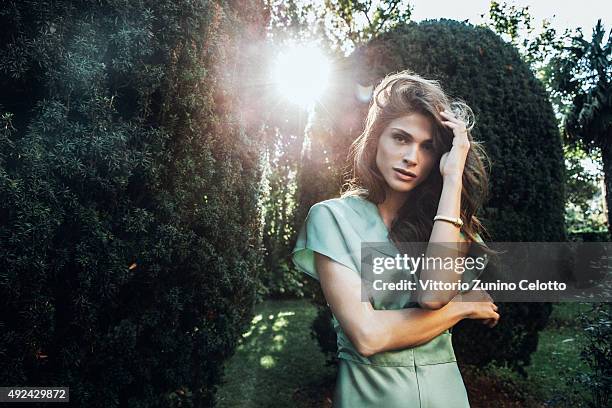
x=412, y=364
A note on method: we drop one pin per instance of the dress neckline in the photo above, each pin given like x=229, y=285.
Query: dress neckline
x=382, y=232
x=377, y=214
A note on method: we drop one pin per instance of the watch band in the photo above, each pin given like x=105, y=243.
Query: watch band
x=458, y=222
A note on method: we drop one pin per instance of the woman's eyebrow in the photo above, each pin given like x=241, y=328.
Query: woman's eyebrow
x=403, y=132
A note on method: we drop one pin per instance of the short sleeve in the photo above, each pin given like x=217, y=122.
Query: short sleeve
x=471, y=274
x=324, y=232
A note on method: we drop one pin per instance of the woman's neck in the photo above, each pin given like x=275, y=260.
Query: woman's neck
x=389, y=208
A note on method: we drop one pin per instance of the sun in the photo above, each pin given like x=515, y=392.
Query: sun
x=301, y=73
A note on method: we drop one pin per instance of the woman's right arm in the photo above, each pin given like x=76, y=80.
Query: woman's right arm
x=374, y=331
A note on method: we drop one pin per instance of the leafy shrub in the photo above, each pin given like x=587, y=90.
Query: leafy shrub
x=597, y=354
x=128, y=238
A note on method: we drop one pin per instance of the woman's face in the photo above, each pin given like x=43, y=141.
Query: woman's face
x=406, y=146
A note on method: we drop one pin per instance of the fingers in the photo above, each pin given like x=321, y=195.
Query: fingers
x=459, y=130
x=448, y=114
x=452, y=122
x=492, y=317
x=491, y=322
x=451, y=118
x=494, y=321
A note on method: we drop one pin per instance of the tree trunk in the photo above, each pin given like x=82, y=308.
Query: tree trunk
x=606, y=155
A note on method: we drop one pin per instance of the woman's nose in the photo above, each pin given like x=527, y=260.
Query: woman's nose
x=410, y=155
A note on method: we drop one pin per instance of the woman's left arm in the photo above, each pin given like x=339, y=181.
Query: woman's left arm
x=452, y=165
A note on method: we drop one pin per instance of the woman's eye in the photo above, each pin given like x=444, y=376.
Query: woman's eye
x=399, y=137
x=403, y=139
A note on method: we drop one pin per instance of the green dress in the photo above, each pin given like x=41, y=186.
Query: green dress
x=425, y=376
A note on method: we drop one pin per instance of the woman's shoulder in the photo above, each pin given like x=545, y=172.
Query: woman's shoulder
x=346, y=203
x=350, y=213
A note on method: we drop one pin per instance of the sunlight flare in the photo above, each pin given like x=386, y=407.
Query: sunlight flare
x=301, y=73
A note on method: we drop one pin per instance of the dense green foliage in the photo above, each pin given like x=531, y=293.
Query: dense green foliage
x=585, y=209
x=515, y=122
x=582, y=74
x=285, y=137
x=540, y=45
x=597, y=354
x=129, y=240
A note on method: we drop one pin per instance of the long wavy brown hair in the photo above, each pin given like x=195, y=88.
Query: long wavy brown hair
x=398, y=95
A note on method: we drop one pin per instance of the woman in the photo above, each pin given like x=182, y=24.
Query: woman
x=414, y=161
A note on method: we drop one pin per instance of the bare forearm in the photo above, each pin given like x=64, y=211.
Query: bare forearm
x=450, y=204
x=403, y=328
x=449, y=234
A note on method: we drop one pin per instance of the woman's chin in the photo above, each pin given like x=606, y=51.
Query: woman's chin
x=401, y=187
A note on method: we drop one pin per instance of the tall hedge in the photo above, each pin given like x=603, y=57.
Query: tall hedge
x=515, y=121
x=128, y=214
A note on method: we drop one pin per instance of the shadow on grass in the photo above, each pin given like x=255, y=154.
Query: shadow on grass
x=277, y=363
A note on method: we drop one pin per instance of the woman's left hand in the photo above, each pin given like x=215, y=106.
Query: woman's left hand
x=453, y=162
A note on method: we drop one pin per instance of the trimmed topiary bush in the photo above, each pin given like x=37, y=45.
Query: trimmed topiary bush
x=129, y=238
x=514, y=120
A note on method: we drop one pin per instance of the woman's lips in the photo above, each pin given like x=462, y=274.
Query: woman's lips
x=402, y=176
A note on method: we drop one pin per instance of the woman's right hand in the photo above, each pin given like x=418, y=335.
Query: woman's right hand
x=478, y=304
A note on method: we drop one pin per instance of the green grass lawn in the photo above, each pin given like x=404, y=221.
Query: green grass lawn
x=278, y=364
x=558, y=356
x=556, y=361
